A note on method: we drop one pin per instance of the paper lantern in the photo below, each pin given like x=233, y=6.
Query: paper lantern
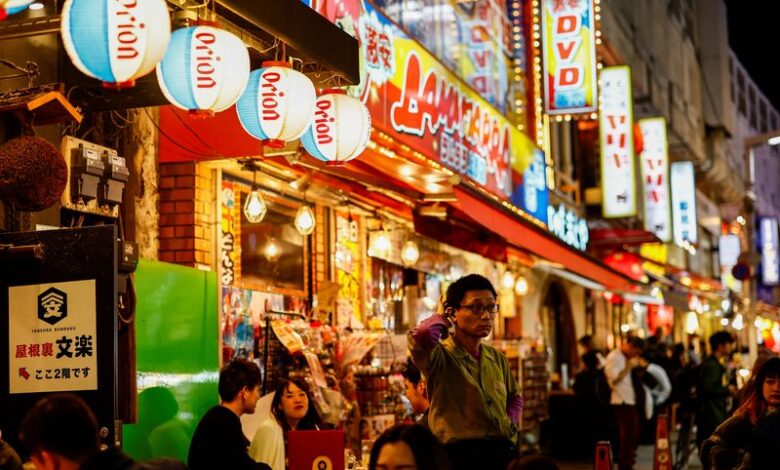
x=11, y=7
x=340, y=130
x=278, y=104
x=115, y=41
x=205, y=69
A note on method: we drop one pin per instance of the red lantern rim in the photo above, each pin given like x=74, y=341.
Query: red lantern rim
x=333, y=91
x=118, y=85
x=200, y=22
x=276, y=63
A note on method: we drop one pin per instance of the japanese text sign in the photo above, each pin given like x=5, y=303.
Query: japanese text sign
x=617, y=143
x=770, y=262
x=533, y=196
x=683, y=186
x=654, y=162
x=567, y=226
x=569, y=50
x=52, y=336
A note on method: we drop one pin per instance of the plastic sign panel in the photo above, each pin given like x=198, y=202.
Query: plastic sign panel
x=770, y=262
x=683, y=186
x=566, y=225
x=654, y=162
x=569, y=50
x=616, y=118
x=533, y=196
x=729, y=249
x=52, y=337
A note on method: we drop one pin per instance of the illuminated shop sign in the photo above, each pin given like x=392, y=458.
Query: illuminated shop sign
x=567, y=226
x=683, y=186
x=533, y=196
x=654, y=162
x=569, y=50
x=770, y=262
x=616, y=130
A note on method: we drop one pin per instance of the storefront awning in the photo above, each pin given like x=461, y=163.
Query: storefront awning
x=525, y=235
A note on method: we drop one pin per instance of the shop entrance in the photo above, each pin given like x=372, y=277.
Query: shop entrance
x=559, y=328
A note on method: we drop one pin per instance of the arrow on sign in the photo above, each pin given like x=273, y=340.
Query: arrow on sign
x=23, y=373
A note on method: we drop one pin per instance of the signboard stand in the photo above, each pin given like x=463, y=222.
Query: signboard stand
x=58, y=317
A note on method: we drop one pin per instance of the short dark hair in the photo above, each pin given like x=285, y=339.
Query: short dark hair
x=534, y=462
x=458, y=289
x=720, y=337
x=311, y=421
x=636, y=342
x=411, y=372
x=61, y=424
x=586, y=341
x=428, y=452
x=237, y=374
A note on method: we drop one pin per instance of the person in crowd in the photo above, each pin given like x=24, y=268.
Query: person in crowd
x=218, y=441
x=9, y=459
x=589, y=352
x=624, y=398
x=592, y=394
x=713, y=390
x=475, y=404
x=61, y=433
x=662, y=389
x=408, y=447
x=534, y=462
x=416, y=392
x=292, y=409
x=742, y=437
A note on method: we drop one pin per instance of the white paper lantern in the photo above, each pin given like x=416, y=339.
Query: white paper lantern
x=12, y=7
x=340, y=130
x=205, y=69
x=115, y=41
x=277, y=105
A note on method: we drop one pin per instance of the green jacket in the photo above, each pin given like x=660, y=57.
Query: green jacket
x=468, y=399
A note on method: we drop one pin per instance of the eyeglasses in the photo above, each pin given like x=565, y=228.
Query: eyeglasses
x=479, y=309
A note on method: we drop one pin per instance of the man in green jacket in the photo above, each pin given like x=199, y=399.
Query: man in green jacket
x=475, y=404
x=713, y=389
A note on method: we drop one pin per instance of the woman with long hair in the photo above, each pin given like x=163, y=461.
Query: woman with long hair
x=408, y=446
x=291, y=409
x=734, y=439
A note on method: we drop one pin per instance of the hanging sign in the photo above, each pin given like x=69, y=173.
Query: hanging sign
x=230, y=238
x=683, y=186
x=52, y=337
x=729, y=249
x=569, y=49
x=654, y=162
x=567, y=226
x=533, y=196
x=617, y=143
x=770, y=262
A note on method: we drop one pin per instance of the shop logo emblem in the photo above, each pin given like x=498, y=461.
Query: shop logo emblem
x=52, y=306
x=322, y=463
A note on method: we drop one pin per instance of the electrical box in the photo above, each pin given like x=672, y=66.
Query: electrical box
x=97, y=177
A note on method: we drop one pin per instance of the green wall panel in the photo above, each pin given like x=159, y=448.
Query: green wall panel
x=177, y=357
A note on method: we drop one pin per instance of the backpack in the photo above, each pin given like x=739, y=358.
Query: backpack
x=685, y=387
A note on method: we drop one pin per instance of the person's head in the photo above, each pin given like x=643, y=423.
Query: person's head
x=239, y=385
x=533, y=462
x=293, y=408
x=471, y=305
x=591, y=361
x=586, y=343
x=408, y=447
x=416, y=391
x=720, y=343
x=633, y=346
x=60, y=432
x=763, y=391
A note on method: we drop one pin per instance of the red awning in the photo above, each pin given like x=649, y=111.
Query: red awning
x=535, y=240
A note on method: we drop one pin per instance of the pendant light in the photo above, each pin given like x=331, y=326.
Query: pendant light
x=255, y=207
x=521, y=285
x=410, y=253
x=304, y=219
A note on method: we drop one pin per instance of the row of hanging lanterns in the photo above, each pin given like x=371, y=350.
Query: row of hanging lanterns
x=204, y=69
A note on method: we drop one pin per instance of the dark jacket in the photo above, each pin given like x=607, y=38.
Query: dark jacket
x=219, y=443
x=765, y=443
x=713, y=397
x=115, y=459
x=726, y=447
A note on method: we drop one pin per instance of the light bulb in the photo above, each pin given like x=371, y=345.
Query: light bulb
x=380, y=245
x=304, y=220
x=255, y=207
x=521, y=285
x=508, y=280
x=738, y=322
x=272, y=249
x=410, y=253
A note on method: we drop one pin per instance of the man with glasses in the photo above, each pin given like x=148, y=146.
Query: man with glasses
x=475, y=405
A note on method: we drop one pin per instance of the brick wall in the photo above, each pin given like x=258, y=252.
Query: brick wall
x=187, y=213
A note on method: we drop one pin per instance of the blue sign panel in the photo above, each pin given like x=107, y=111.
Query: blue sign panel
x=533, y=196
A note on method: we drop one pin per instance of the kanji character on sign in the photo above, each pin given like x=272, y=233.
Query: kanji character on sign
x=21, y=350
x=48, y=349
x=64, y=345
x=66, y=372
x=34, y=350
x=84, y=346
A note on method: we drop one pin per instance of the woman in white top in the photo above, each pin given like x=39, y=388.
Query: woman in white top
x=291, y=409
